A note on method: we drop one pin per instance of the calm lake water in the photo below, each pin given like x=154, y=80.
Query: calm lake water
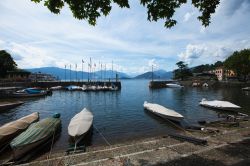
x=120, y=116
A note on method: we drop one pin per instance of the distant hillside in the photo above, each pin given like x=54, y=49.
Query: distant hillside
x=60, y=73
x=159, y=74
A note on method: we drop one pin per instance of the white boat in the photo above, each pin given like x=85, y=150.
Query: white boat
x=73, y=88
x=218, y=104
x=56, y=88
x=246, y=89
x=80, y=124
x=163, y=111
x=171, y=85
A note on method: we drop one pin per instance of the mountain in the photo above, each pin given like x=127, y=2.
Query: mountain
x=159, y=74
x=60, y=73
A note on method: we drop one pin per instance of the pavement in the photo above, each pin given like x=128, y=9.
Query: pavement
x=226, y=145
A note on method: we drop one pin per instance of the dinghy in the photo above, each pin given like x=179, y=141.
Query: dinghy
x=8, y=105
x=218, y=104
x=12, y=129
x=80, y=124
x=37, y=134
x=171, y=85
x=163, y=111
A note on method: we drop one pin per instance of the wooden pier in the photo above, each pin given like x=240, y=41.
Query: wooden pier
x=48, y=84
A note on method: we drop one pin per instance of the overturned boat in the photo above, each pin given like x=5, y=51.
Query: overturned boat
x=37, y=134
x=80, y=124
x=163, y=111
x=219, y=104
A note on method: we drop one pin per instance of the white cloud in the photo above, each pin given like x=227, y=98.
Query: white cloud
x=37, y=38
x=188, y=15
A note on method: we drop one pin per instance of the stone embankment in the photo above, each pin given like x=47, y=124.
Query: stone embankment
x=226, y=145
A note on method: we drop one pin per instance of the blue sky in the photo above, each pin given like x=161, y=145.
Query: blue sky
x=37, y=38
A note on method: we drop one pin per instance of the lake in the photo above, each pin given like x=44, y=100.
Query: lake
x=119, y=115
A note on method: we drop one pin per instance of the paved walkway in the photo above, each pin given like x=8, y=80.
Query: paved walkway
x=229, y=146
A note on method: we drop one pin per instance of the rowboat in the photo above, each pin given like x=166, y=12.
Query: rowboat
x=171, y=85
x=80, y=124
x=37, y=134
x=219, y=104
x=163, y=112
x=9, y=105
x=12, y=129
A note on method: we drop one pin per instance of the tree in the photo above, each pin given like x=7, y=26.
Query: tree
x=239, y=62
x=182, y=72
x=90, y=10
x=6, y=63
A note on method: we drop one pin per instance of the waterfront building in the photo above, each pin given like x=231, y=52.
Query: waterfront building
x=37, y=77
x=17, y=75
x=223, y=74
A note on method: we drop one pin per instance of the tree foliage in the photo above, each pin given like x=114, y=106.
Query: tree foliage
x=90, y=10
x=206, y=67
x=239, y=62
x=6, y=63
x=182, y=72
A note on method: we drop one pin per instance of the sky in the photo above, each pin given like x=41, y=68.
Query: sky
x=35, y=37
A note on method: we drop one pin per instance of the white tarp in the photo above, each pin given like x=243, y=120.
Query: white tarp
x=80, y=123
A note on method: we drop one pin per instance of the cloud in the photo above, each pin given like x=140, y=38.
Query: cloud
x=233, y=6
x=125, y=36
x=193, y=52
x=187, y=16
x=204, y=54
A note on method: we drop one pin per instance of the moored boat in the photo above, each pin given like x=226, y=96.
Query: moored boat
x=219, y=104
x=9, y=105
x=163, y=112
x=80, y=124
x=172, y=85
x=56, y=88
x=37, y=134
x=246, y=89
x=73, y=88
x=30, y=92
x=12, y=129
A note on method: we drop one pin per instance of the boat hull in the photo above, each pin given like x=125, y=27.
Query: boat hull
x=176, y=119
x=8, y=106
x=233, y=109
x=163, y=112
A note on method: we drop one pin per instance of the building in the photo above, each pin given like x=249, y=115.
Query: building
x=18, y=75
x=37, y=77
x=223, y=74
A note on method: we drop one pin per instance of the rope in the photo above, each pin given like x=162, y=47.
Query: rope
x=177, y=126
x=102, y=135
x=51, y=146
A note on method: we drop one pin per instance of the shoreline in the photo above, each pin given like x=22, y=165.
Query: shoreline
x=160, y=150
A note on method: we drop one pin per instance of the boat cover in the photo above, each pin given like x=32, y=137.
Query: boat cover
x=80, y=123
x=41, y=130
x=17, y=126
x=161, y=110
